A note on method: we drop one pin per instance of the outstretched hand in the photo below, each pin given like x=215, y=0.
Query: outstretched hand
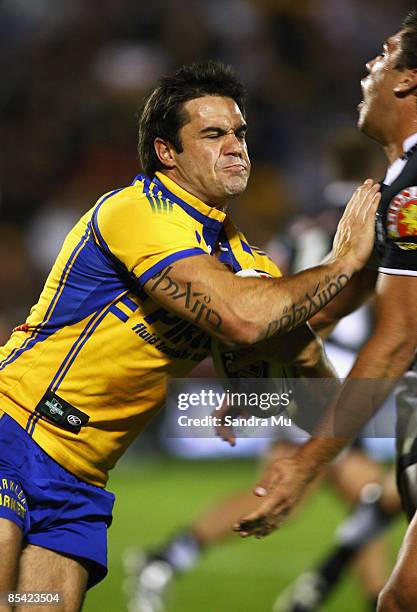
x=282, y=487
x=355, y=233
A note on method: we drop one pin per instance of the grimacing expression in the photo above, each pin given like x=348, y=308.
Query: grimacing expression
x=214, y=163
x=378, y=107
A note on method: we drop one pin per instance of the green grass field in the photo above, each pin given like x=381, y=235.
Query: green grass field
x=155, y=498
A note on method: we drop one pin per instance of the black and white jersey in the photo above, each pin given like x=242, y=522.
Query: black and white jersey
x=396, y=245
x=396, y=223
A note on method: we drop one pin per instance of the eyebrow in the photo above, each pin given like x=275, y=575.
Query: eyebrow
x=222, y=131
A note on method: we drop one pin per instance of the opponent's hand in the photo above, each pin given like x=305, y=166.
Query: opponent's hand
x=223, y=430
x=355, y=234
x=282, y=487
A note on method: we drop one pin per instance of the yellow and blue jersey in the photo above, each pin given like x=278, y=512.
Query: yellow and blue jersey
x=96, y=340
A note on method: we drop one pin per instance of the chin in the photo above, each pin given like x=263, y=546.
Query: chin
x=365, y=124
x=369, y=125
x=235, y=190
x=236, y=185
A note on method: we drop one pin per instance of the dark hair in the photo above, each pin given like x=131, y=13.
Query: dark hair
x=163, y=115
x=408, y=56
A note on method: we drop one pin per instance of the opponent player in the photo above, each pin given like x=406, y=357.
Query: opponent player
x=388, y=113
x=137, y=288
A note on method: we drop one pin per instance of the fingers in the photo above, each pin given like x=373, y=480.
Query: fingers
x=226, y=434
x=369, y=191
x=375, y=198
x=369, y=203
x=221, y=430
x=372, y=192
x=261, y=522
x=263, y=486
x=270, y=514
x=359, y=192
x=281, y=487
x=270, y=478
x=257, y=528
x=355, y=233
x=363, y=194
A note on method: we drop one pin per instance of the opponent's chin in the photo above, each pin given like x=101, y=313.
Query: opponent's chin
x=363, y=117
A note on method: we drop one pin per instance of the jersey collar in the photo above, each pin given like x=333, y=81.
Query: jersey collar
x=208, y=212
x=397, y=166
x=409, y=142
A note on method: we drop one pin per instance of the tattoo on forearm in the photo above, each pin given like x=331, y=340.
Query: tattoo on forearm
x=300, y=313
x=195, y=302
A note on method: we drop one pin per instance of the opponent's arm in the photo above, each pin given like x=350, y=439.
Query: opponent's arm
x=241, y=311
x=384, y=359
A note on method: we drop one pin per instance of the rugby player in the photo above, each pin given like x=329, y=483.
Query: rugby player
x=142, y=281
x=388, y=114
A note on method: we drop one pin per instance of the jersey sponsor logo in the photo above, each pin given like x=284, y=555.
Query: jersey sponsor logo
x=173, y=336
x=402, y=218
x=73, y=420
x=59, y=412
x=54, y=407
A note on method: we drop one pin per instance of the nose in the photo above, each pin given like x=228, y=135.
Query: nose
x=369, y=65
x=233, y=145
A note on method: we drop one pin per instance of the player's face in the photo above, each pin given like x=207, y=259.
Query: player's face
x=214, y=163
x=378, y=110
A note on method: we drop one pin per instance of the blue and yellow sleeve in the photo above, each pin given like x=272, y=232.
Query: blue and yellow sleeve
x=142, y=238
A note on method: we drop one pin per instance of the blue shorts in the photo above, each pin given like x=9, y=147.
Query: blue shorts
x=54, y=508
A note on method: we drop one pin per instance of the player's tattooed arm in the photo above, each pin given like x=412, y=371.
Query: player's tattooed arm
x=358, y=290
x=196, y=303
x=241, y=311
x=313, y=301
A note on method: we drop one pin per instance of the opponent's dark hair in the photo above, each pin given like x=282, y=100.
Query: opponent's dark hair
x=408, y=55
x=162, y=114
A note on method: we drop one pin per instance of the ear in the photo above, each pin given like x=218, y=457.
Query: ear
x=407, y=84
x=165, y=152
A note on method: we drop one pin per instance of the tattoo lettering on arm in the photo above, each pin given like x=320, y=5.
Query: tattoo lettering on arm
x=313, y=302
x=196, y=302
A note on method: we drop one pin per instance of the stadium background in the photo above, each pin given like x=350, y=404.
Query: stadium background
x=73, y=74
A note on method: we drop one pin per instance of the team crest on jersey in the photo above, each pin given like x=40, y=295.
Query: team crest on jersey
x=402, y=218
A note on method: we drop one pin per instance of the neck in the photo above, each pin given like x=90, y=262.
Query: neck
x=393, y=145
x=393, y=151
